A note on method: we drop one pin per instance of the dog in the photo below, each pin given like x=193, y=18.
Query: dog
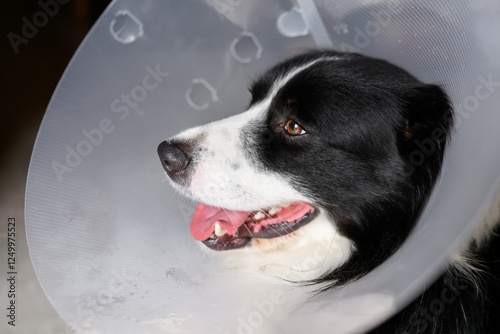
x=326, y=162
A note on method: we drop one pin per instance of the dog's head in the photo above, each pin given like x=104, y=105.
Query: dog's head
x=338, y=150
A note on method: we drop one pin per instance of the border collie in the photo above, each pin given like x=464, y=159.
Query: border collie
x=327, y=162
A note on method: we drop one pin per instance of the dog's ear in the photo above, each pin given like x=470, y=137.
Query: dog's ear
x=427, y=121
x=427, y=114
x=423, y=134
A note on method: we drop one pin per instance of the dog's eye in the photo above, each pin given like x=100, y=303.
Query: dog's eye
x=294, y=129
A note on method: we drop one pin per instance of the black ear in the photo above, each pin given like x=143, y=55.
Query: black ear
x=427, y=110
x=424, y=132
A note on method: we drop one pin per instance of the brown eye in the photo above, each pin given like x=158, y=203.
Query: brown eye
x=293, y=128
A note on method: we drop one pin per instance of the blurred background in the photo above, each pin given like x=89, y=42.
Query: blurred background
x=33, y=58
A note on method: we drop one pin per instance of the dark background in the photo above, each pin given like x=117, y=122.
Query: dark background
x=28, y=78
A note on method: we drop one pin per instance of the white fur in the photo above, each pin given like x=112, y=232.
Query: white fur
x=308, y=253
x=465, y=261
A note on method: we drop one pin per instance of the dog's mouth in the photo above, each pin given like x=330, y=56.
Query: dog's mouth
x=222, y=229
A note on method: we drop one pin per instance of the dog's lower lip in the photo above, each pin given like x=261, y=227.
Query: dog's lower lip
x=226, y=242
x=245, y=234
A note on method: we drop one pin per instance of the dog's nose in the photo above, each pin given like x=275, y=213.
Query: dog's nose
x=173, y=158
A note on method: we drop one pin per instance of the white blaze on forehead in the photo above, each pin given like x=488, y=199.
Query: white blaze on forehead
x=281, y=82
x=226, y=176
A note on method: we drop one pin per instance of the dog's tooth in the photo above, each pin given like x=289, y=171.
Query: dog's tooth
x=259, y=215
x=274, y=209
x=219, y=231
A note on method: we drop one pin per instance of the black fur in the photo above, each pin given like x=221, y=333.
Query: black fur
x=376, y=131
x=456, y=303
x=380, y=135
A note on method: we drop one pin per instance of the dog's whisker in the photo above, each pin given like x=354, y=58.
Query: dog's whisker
x=326, y=255
x=281, y=220
x=234, y=225
x=285, y=226
x=270, y=226
x=248, y=229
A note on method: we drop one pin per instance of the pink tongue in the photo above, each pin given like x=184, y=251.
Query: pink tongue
x=203, y=223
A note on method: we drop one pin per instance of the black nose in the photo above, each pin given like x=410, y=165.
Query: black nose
x=173, y=158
